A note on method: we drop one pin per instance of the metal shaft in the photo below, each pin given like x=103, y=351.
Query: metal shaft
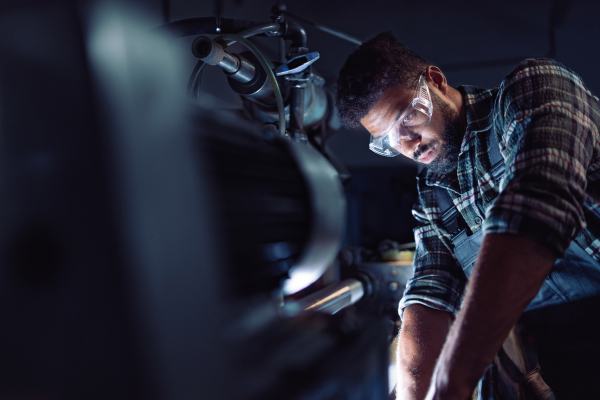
x=323, y=28
x=212, y=53
x=328, y=300
x=237, y=67
x=297, y=110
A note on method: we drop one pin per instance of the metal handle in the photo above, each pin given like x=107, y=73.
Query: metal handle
x=328, y=300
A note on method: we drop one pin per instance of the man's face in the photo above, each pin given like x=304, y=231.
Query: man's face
x=437, y=146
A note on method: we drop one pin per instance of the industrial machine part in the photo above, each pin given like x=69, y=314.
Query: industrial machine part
x=281, y=9
x=280, y=203
x=244, y=72
x=307, y=104
x=142, y=246
x=329, y=300
x=237, y=67
x=384, y=285
x=303, y=259
x=374, y=286
x=108, y=283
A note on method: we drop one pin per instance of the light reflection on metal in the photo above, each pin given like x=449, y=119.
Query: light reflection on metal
x=328, y=300
x=328, y=209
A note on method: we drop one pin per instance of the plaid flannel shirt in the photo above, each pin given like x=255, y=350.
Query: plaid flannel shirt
x=546, y=123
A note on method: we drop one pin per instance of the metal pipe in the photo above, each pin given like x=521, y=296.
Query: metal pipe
x=295, y=33
x=282, y=9
x=260, y=29
x=237, y=67
x=229, y=63
x=297, y=111
x=274, y=28
x=328, y=300
x=246, y=71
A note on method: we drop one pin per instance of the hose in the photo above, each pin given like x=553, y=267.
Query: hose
x=194, y=82
x=260, y=29
x=265, y=64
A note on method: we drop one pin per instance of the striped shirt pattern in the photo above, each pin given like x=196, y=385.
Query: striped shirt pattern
x=546, y=124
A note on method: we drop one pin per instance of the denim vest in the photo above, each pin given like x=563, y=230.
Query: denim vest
x=573, y=279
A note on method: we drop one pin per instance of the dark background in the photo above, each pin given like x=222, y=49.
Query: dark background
x=474, y=42
x=101, y=287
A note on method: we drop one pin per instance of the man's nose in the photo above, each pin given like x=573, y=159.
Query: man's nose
x=409, y=143
x=407, y=135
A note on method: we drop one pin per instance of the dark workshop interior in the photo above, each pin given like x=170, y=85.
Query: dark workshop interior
x=161, y=239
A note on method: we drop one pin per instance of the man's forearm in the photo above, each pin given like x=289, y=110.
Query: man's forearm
x=509, y=272
x=421, y=339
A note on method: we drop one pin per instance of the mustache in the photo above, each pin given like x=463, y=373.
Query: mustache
x=420, y=150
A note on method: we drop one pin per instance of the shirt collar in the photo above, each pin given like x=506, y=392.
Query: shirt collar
x=477, y=112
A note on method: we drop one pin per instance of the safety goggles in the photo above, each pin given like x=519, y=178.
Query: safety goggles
x=408, y=125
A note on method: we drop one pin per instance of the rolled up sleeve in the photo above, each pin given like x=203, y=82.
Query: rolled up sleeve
x=438, y=281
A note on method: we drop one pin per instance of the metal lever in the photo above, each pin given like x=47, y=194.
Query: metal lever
x=297, y=64
x=328, y=300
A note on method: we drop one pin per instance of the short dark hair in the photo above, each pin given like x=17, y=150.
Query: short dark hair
x=378, y=64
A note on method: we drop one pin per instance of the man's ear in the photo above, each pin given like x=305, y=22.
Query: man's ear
x=435, y=77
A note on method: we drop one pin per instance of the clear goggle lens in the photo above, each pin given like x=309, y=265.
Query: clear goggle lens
x=408, y=126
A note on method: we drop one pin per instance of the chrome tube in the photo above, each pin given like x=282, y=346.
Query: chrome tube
x=237, y=67
x=328, y=300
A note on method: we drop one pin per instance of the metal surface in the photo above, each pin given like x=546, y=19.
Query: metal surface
x=330, y=299
x=238, y=67
x=258, y=89
x=207, y=50
x=230, y=63
x=93, y=122
x=328, y=210
x=316, y=106
x=297, y=110
x=151, y=152
x=234, y=65
x=270, y=29
x=383, y=282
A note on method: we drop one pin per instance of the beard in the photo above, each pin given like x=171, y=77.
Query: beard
x=451, y=140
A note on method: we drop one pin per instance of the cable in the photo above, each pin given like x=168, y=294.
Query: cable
x=257, y=30
x=195, y=78
x=282, y=9
x=265, y=64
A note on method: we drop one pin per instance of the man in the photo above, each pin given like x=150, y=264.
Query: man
x=539, y=223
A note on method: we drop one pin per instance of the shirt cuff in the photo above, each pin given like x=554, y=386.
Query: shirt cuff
x=434, y=291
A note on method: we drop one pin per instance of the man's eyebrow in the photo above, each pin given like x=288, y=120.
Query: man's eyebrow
x=397, y=117
x=400, y=112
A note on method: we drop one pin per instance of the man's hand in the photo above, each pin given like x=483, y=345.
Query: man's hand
x=421, y=339
x=509, y=272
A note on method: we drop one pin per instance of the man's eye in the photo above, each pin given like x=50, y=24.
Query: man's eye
x=409, y=117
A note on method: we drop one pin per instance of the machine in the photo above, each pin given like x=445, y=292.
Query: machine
x=152, y=248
